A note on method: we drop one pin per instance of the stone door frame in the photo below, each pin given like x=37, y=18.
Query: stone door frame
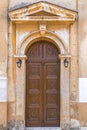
x=64, y=77
x=18, y=77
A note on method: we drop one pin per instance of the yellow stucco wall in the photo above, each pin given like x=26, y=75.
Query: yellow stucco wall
x=3, y=37
x=3, y=61
x=82, y=37
x=80, y=49
x=82, y=45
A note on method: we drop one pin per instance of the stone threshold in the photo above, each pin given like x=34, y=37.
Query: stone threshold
x=83, y=128
x=43, y=128
x=49, y=128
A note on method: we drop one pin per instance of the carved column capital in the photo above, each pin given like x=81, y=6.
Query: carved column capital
x=62, y=56
x=22, y=57
x=65, y=59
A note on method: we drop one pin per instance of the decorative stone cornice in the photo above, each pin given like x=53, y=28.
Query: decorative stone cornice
x=39, y=12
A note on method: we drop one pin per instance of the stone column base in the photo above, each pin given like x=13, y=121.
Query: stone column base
x=75, y=128
x=16, y=125
x=65, y=126
x=75, y=125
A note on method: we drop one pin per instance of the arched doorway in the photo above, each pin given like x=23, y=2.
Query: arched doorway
x=43, y=85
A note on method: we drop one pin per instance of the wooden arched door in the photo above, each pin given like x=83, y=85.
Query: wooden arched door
x=43, y=85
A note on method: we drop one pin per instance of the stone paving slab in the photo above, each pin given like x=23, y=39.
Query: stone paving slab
x=43, y=128
x=49, y=128
x=84, y=128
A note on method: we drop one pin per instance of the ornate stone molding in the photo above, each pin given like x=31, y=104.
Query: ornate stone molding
x=50, y=36
x=32, y=13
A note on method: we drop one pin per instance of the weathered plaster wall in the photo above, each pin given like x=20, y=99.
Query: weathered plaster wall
x=74, y=47
x=62, y=31
x=65, y=3
x=82, y=35
x=82, y=46
x=82, y=40
x=3, y=38
x=83, y=101
x=3, y=115
x=3, y=62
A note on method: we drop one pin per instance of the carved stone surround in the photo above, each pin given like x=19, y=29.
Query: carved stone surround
x=61, y=16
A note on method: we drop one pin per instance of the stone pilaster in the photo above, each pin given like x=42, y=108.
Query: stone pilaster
x=20, y=92
x=64, y=91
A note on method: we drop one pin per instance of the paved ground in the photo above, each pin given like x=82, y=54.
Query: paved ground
x=49, y=128
x=84, y=128
x=43, y=128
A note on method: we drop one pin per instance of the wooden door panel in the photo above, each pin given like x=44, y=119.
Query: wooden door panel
x=34, y=70
x=43, y=85
x=32, y=119
x=51, y=94
x=35, y=51
x=34, y=83
x=50, y=51
x=51, y=99
x=34, y=105
x=51, y=83
x=51, y=115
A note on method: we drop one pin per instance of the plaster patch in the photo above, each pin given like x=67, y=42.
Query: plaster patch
x=82, y=89
x=3, y=89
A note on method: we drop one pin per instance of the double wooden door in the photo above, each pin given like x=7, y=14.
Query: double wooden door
x=43, y=85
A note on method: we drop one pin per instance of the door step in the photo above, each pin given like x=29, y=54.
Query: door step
x=49, y=128
x=42, y=128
